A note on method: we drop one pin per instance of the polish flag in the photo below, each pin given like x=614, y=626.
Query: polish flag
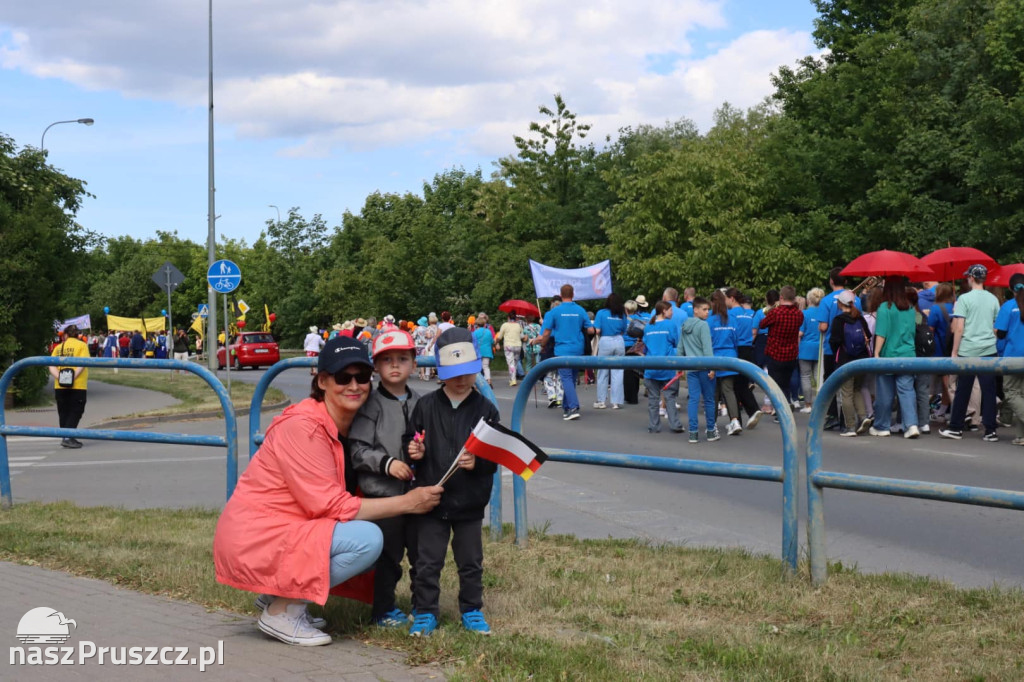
x=495, y=443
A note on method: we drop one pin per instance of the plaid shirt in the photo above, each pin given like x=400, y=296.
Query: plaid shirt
x=783, y=323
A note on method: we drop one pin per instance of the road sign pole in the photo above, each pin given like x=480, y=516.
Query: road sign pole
x=227, y=352
x=170, y=317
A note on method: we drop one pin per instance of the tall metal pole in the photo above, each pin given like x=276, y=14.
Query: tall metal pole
x=211, y=236
x=227, y=354
x=170, y=317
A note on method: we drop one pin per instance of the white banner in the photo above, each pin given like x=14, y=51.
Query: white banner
x=593, y=281
x=82, y=322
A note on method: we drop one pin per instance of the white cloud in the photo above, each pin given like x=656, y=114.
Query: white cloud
x=364, y=74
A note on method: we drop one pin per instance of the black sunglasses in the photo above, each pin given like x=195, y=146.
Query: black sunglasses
x=362, y=375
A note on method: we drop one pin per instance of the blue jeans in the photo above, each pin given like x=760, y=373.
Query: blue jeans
x=902, y=385
x=355, y=547
x=610, y=346
x=701, y=387
x=569, y=399
x=964, y=386
x=655, y=389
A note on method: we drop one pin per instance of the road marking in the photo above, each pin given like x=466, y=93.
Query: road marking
x=945, y=452
x=15, y=462
x=100, y=462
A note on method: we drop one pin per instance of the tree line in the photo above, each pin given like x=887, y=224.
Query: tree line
x=907, y=134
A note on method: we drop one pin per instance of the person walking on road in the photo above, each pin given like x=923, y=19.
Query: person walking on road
x=313, y=344
x=510, y=335
x=1010, y=328
x=568, y=323
x=70, y=385
x=974, y=318
x=610, y=323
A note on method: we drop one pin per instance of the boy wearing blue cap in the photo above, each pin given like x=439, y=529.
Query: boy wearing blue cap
x=440, y=424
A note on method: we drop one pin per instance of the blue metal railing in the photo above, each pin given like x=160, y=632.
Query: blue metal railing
x=818, y=480
x=256, y=438
x=787, y=474
x=230, y=441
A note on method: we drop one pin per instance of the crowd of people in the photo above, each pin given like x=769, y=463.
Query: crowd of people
x=131, y=344
x=798, y=339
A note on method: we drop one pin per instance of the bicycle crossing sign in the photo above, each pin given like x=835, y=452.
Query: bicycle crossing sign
x=224, y=276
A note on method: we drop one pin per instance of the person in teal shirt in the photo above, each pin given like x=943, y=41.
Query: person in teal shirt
x=974, y=319
x=894, y=338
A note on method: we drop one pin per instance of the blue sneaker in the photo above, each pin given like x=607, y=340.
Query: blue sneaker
x=474, y=622
x=395, y=618
x=424, y=625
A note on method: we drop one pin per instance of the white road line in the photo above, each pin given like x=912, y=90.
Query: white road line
x=32, y=439
x=23, y=458
x=945, y=452
x=101, y=462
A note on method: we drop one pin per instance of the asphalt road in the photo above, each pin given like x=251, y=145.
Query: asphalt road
x=971, y=546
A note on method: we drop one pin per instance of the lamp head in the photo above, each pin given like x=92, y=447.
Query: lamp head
x=86, y=121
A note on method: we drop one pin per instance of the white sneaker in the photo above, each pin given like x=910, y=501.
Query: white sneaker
x=805, y=410
x=753, y=419
x=599, y=405
x=734, y=428
x=616, y=407
x=912, y=432
x=926, y=429
x=881, y=434
x=263, y=601
x=292, y=627
x=663, y=412
x=723, y=411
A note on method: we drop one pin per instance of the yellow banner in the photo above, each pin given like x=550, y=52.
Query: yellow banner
x=197, y=326
x=131, y=324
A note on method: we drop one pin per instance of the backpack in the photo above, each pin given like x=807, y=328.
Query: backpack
x=924, y=340
x=635, y=328
x=855, y=340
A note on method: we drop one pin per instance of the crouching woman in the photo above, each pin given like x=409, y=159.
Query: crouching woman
x=292, y=531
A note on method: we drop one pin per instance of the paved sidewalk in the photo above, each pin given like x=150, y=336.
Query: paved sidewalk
x=103, y=403
x=109, y=616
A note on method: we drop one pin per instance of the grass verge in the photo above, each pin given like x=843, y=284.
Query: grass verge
x=194, y=394
x=571, y=609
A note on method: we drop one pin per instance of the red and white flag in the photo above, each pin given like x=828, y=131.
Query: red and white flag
x=497, y=444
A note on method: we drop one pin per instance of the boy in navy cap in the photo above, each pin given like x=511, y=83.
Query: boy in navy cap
x=440, y=424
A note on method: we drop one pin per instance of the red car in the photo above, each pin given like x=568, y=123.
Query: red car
x=251, y=349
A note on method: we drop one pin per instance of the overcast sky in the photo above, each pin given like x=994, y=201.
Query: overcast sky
x=319, y=103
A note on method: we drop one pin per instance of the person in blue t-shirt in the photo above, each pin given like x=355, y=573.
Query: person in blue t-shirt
x=661, y=339
x=1010, y=328
x=610, y=323
x=743, y=319
x=939, y=319
x=810, y=347
x=671, y=296
x=724, y=343
x=631, y=377
x=569, y=323
x=689, y=293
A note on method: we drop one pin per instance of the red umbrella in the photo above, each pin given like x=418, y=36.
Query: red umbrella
x=1001, y=276
x=951, y=263
x=885, y=263
x=519, y=307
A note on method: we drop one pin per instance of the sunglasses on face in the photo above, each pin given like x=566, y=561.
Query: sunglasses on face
x=361, y=375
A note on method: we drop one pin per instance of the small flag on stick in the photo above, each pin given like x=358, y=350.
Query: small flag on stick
x=497, y=444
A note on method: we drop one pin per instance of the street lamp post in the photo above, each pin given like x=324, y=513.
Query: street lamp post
x=276, y=209
x=42, y=140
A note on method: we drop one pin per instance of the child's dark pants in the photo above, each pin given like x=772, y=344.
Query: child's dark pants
x=468, y=550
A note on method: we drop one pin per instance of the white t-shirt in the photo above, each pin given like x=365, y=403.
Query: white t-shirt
x=441, y=328
x=313, y=342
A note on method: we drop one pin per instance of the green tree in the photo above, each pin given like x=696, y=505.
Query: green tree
x=41, y=250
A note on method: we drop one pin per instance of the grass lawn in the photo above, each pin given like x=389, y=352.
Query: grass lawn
x=573, y=609
x=194, y=393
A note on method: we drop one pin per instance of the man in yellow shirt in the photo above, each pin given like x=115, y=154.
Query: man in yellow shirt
x=70, y=384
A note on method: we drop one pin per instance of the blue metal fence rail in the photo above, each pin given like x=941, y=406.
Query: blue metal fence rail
x=787, y=474
x=230, y=441
x=256, y=438
x=818, y=479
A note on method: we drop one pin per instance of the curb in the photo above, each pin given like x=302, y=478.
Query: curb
x=192, y=416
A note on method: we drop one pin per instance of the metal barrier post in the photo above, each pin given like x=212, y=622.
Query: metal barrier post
x=256, y=438
x=230, y=441
x=787, y=474
x=818, y=480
